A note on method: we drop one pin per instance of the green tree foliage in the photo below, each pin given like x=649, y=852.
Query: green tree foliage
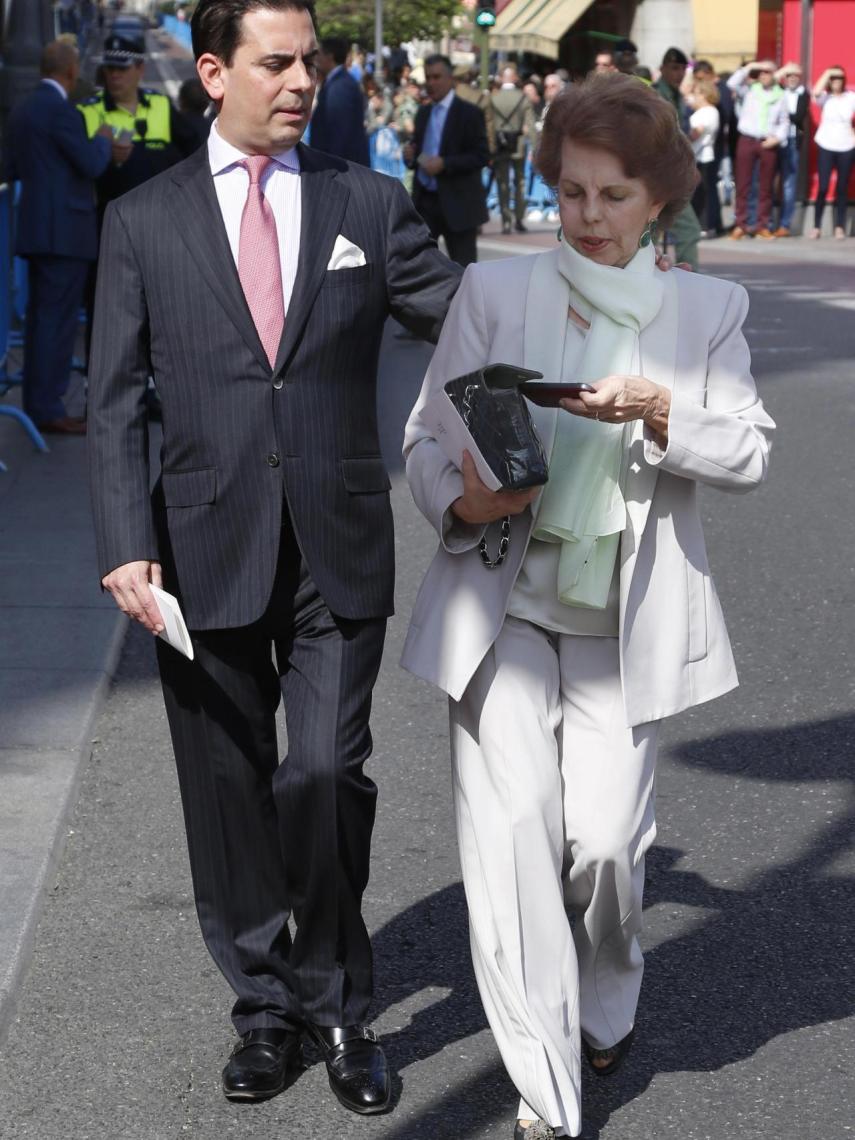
x=402, y=19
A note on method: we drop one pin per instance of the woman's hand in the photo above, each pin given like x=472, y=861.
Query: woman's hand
x=478, y=504
x=621, y=399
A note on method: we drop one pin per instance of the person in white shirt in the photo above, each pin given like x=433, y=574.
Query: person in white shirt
x=763, y=125
x=835, y=140
x=704, y=124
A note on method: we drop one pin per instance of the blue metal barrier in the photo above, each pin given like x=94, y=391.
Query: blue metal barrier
x=539, y=196
x=179, y=30
x=7, y=379
x=386, y=154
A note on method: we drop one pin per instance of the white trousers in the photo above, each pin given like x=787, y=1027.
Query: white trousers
x=554, y=805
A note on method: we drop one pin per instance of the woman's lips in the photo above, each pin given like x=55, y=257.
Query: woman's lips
x=592, y=244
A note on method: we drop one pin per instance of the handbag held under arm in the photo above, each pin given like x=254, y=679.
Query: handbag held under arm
x=491, y=406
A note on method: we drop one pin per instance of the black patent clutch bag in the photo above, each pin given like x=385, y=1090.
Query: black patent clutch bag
x=490, y=404
x=492, y=407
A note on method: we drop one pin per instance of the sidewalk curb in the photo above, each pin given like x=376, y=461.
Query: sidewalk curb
x=45, y=855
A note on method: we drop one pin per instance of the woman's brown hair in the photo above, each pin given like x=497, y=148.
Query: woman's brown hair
x=622, y=115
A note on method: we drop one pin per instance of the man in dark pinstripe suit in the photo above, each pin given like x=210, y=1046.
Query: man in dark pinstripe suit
x=270, y=521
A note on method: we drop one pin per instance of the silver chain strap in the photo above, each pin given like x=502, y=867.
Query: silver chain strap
x=505, y=535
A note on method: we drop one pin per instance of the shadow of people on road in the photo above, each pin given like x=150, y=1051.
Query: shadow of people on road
x=771, y=957
x=775, y=955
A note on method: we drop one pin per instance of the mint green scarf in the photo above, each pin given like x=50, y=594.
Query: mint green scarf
x=582, y=505
x=767, y=97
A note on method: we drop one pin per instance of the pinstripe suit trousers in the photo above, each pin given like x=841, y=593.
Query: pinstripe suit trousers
x=271, y=840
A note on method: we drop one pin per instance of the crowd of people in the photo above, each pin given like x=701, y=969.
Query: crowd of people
x=748, y=130
x=455, y=143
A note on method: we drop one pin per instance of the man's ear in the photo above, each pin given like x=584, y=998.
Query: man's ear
x=210, y=70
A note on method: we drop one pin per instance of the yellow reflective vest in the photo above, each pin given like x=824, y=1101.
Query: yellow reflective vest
x=153, y=110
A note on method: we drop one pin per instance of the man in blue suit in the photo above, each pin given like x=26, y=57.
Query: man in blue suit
x=338, y=121
x=56, y=164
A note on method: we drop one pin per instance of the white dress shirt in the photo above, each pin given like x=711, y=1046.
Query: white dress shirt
x=280, y=186
x=755, y=120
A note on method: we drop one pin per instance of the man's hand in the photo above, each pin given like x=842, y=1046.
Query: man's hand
x=105, y=131
x=432, y=164
x=121, y=152
x=478, y=504
x=770, y=142
x=129, y=586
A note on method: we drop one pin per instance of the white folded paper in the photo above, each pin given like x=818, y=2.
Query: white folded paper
x=175, y=632
x=453, y=436
x=346, y=255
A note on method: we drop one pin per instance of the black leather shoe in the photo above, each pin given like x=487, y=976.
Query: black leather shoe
x=521, y=227
x=261, y=1064
x=356, y=1066
x=611, y=1059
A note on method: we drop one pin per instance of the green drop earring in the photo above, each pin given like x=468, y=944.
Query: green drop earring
x=648, y=234
x=560, y=234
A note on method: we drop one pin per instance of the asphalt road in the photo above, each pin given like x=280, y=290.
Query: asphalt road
x=746, y=1020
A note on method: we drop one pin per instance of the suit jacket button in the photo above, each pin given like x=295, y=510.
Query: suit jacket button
x=273, y=459
x=278, y=382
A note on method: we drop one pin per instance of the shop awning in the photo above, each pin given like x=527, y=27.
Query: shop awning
x=535, y=25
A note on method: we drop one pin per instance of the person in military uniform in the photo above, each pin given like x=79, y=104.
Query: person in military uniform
x=158, y=134
x=513, y=125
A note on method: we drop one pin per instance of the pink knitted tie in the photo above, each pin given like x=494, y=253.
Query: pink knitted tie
x=258, y=260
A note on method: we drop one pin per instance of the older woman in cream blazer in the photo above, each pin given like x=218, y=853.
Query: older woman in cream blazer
x=556, y=699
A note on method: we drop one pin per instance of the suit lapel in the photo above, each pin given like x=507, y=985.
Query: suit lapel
x=323, y=202
x=200, y=224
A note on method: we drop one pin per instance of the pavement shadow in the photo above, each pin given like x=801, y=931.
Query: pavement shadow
x=772, y=957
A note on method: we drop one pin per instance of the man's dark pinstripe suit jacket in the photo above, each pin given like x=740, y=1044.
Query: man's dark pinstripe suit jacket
x=235, y=431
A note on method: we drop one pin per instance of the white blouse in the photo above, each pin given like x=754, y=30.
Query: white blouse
x=835, y=127
x=708, y=120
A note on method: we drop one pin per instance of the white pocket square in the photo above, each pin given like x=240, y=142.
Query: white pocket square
x=345, y=255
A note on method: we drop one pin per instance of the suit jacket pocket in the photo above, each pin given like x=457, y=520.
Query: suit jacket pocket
x=365, y=474
x=355, y=275
x=696, y=588
x=191, y=488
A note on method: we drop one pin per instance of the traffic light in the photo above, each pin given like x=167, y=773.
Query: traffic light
x=485, y=13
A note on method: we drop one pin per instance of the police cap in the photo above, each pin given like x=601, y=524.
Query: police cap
x=124, y=50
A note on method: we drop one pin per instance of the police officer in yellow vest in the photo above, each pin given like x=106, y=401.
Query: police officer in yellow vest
x=157, y=134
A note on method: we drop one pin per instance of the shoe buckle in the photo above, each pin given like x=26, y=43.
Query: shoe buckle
x=369, y=1034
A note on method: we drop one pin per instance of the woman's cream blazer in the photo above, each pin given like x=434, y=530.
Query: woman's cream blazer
x=674, y=648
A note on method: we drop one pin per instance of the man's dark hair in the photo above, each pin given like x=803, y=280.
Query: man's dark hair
x=337, y=47
x=433, y=60
x=674, y=55
x=216, y=24
x=703, y=65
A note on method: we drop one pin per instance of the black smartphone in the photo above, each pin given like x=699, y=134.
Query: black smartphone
x=546, y=394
